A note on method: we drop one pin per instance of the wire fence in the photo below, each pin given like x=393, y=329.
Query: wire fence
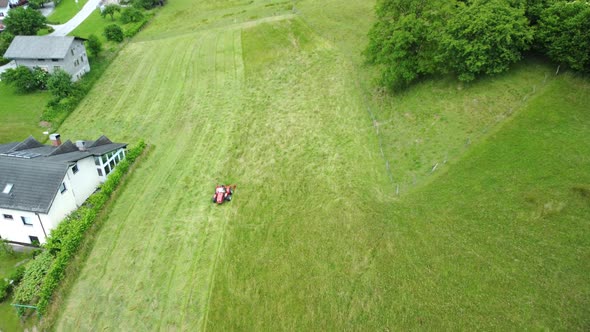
x=398, y=183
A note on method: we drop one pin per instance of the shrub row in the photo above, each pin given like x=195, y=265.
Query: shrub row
x=44, y=274
x=132, y=29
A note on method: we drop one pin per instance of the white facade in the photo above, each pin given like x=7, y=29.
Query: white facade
x=80, y=181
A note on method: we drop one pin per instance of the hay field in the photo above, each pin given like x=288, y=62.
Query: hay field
x=248, y=93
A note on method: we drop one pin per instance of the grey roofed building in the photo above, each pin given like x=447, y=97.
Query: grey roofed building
x=51, y=54
x=39, y=47
x=36, y=171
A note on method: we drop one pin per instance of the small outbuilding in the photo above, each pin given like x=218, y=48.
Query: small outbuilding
x=50, y=53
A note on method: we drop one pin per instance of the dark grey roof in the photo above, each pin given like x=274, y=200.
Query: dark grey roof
x=35, y=183
x=39, y=47
x=36, y=173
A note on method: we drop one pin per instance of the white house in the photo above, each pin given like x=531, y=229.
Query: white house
x=50, y=53
x=41, y=184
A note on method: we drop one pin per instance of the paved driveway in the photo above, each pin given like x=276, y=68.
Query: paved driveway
x=69, y=26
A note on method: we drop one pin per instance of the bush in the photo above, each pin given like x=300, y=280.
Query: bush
x=4, y=289
x=94, y=45
x=24, y=79
x=17, y=275
x=24, y=21
x=134, y=28
x=131, y=14
x=147, y=4
x=563, y=33
x=485, y=37
x=113, y=32
x=60, y=84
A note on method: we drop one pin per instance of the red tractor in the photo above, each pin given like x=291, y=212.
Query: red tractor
x=223, y=193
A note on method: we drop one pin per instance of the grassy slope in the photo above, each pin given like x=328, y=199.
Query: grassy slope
x=310, y=239
x=187, y=95
x=20, y=114
x=65, y=11
x=503, y=240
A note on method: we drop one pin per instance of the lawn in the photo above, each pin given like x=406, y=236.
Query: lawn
x=316, y=238
x=65, y=11
x=9, y=321
x=20, y=114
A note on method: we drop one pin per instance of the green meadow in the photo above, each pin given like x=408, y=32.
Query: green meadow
x=481, y=221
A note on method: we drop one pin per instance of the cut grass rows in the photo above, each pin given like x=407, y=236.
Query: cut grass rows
x=314, y=239
x=166, y=250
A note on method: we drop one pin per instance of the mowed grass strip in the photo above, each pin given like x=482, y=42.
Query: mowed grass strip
x=295, y=257
x=161, y=235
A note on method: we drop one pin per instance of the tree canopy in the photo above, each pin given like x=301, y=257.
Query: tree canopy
x=564, y=33
x=472, y=38
x=485, y=37
x=24, y=21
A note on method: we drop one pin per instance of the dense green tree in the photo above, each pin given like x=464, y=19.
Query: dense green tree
x=564, y=33
x=485, y=37
x=24, y=21
x=24, y=79
x=36, y=4
x=110, y=10
x=60, y=84
x=5, y=40
x=131, y=15
x=406, y=39
x=94, y=45
x=113, y=32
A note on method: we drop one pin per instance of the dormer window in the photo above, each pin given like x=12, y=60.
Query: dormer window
x=7, y=189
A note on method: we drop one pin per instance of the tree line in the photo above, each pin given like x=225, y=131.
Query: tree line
x=468, y=39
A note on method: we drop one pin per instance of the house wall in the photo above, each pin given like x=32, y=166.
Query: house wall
x=75, y=63
x=79, y=186
x=15, y=230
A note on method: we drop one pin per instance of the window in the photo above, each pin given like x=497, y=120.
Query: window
x=75, y=169
x=8, y=216
x=107, y=170
x=97, y=161
x=42, y=60
x=34, y=240
x=72, y=51
x=99, y=171
x=56, y=68
x=55, y=60
x=62, y=188
x=104, y=158
x=7, y=189
x=27, y=221
x=112, y=164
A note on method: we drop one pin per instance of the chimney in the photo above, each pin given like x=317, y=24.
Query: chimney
x=55, y=139
x=81, y=145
